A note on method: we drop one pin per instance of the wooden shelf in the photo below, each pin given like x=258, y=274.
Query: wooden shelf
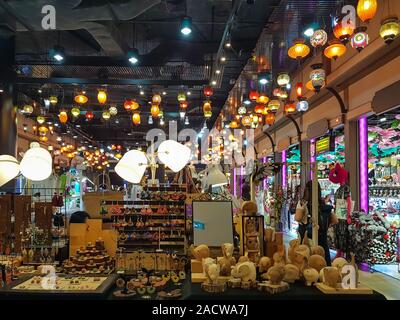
x=150, y=229
x=150, y=215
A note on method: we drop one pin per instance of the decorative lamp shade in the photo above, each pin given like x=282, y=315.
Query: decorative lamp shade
x=106, y=115
x=274, y=105
x=89, y=115
x=207, y=109
x=302, y=106
x=208, y=91
x=253, y=95
x=53, y=100
x=290, y=108
x=102, y=96
x=28, y=109
x=259, y=108
x=233, y=124
x=360, y=39
x=9, y=168
x=40, y=119
x=128, y=104
x=262, y=98
x=75, y=112
x=283, y=79
x=181, y=97
x=132, y=166
x=43, y=129
x=343, y=30
x=317, y=77
x=155, y=110
x=134, y=105
x=242, y=110
x=254, y=118
x=156, y=99
x=63, y=116
x=246, y=121
x=43, y=139
x=299, y=50
x=366, y=9
x=319, y=38
x=335, y=49
x=299, y=89
x=174, y=155
x=270, y=118
x=136, y=118
x=390, y=29
x=81, y=98
x=184, y=104
x=161, y=113
x=113, y=110
x=215, y=177
x=36, y=165
x=283, y=95
x=276, y=92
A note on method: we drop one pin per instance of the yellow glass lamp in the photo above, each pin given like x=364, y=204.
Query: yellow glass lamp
x=155, y=110
x=75, y=112
x=335, y=49
x=270, y=118
x=106, y=115
x=299, y=50
x=233, y=124
x=390, y=29
x=40, y=119
x=366, y=9
x=207, y=109
x=136, y=118
x=81, y=98
x=156, y=99
x=263, y=98
x=102, y=96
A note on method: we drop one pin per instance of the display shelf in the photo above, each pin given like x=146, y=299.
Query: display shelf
x=151, y=230
x=141, y=202
x=161, y=216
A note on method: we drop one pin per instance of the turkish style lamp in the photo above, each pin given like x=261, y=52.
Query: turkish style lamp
x=207, y=109
x=254, y=118
x=215, y=177
x=246, y=121
x=106, y=115
x=366, y=9
x=283, y=79
x=184, y=105
x=181, y=97
x=242, y=110
x=81, y=98
x=270, y=118
x=233, y=124
x=156, y=99
x=253, y=95
x=9, y=169
x=113, y=110
x=174, y=155
x=276, y=92
x=161, y=113
x=299, y=50
x=43, y=139
x=63, y=116
x=132, y=166
x=75, y=112
x=342, y=30
x=317, y=76
x=335, y=49
x=319, y=38
x=102, y=96
x=155, y=110
x=302, y=106
x=262, y=98
x=40, y=119
x=390, y=29
x=89, y=115
x=283, y=95
x=36, y=165
x=53, y=100
x=360, y=39
x=43, y=130
x=290, y=108
x=28, y=109
x=136, y=118
x=208, y=91
x=134, y=105
x=299, y=89
x=259, y=108
x=274, y=105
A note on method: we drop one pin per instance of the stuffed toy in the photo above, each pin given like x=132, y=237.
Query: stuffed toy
x=339, y=175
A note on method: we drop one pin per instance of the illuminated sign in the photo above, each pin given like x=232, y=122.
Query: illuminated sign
x=324, y=144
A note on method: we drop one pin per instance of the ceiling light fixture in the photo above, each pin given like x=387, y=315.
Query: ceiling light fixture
x=58, y=53
x=186, y=26
x=133, y=56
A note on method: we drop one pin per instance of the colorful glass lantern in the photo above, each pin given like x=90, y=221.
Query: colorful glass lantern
x=263, y=98
x=233, y=124
x=270, y=118
x=43, y=138
x=299, y=89
x=53, y=100
x=283, y=95
x=113, y=110
x=343, y=30
x=43, y=129
x=360, y=39
x=302, y=106
x=283, y=79
x=89, y=115
x=81, y=98
x=274, y=105
x=106, y=115
x=290, y=108
x=246, y=121
x=75, y=111
x=253, y=95
x=102, y=96
x=242, y=110
x=156, y=99
x=155, y=110
x=181, y=97
x=276, y=92
x=366, y=9
x=208, y=91
x=63, y=116
x=299, y=50
x=317, y=77
x=335, y=49
x=319, y=38
x=136, y=118
x=40, y=119
x=207, y=109
x=390, y=29
x=28, y=109
x=259, y=108
x=184, y=105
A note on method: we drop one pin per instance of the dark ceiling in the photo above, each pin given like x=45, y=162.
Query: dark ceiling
x=97, y=34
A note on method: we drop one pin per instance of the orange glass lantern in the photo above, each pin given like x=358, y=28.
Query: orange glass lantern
x=208, y=91
x=89, y=115
x=81, y=98
x=290, y=108
x=136, y=118
x=274, y=105
x=299, y=49
x=155, y=110
x=207, y=109
x=270, y=118
x=253, y=95
x=184, y=104
x=233, y=124
x=246, y=121
x=366, y=9
x=156, y=99
x=299, y=89
x=63, y=117
x=43, y=139
x=335, y=49
x=263, y=98
x=342, y=30
x=259, y=108
x=102, y=96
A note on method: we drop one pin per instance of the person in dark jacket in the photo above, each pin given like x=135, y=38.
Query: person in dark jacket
x=79, y=217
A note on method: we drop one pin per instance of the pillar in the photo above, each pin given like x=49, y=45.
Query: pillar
x=305, y=174
x=352, y=159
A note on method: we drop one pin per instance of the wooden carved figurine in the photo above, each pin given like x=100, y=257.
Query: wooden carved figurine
x=292, y=273
x=206, y=262
x=245, y=271
x=276, y=274
x=311, y=276
x=212, y=272
x=227, y=261
x=264, y=264
x=317, y=262
x=331, y=276
x=318, y=250
x=243, y=259
x=279, y=259
x=200, y=252
x=339, y=263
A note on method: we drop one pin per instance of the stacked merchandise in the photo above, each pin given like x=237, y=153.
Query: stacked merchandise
x=372, y=238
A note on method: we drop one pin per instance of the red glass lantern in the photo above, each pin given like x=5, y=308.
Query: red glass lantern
x=343, y=30
x=253, y=95
x=184, y=104
x=259, y=108
x=290, y=108
x=208, y=91
x=89, y=115
x=270, y=118
x=299, y=89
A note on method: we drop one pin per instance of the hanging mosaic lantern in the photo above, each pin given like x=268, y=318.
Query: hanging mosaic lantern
x=136, y=118
x=155, y=110
x=208, y=91
x=40, y=119
x=242, y=110
x=360, y=39
x=253, y=95
x=390, y=29
x=75, y=111
x=274, y=105
x=262, y=98
x=335, y=49
x=317, y=77
x=319, y=38
x=302, y=106
x=283, y=79
x=156, y=99
x=43, y=139
x=63, y=116
x=276, y=92
x=28, y=109
x=102, y=96
x=254, y=118
x=270, y=118
x=106, y=115
x=89, y=115
x=299, y=50
x=283, y=95
x=113, y=110
x=342, y=30
x=246, y=121
x=207, y=109
x=181, y=97
x=366, y=9
x=259, y=108
x=184, y=105
x=233, y=124
x=81, y=98
x=290, y=108
x=53, y=100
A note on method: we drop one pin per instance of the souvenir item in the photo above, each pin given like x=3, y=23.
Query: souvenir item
x=249, y=208
x=339, y=263
x=276, y=274
x=200, y=252
x=317, y=262
x=311, y=276
x=318, y=250
x=243, y=259
x=331, y=276
x=264, y=264
x=292, y=273
x=246, y=271
x=227, y=261
x=279, y=259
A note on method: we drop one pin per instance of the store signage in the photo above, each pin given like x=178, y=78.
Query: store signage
x=324, y=144
x=198, y=225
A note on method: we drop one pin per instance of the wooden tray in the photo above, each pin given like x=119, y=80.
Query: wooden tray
x=339, y=290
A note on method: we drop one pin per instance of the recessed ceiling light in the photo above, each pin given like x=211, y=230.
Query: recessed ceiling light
x=382, y=119
x=188, y=93
x=213, y=82
x=141, y=92
x=39, y=91
x=164, y=93
x=223, y=59
x=186, y=26
x=217, y=71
